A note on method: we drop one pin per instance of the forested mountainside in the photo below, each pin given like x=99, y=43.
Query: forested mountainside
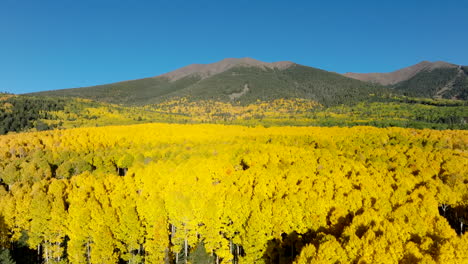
x=400, y=75
x=247, y=80
x=449, y=83
x=244, y=84
x=426, y=79
x=170, y=193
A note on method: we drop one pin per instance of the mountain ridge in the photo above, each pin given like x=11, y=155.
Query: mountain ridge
x=403, y=74
x=226, y=80
x=210, y=69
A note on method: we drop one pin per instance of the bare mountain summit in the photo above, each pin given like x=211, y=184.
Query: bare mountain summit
x=207, y=70
x=399, y=75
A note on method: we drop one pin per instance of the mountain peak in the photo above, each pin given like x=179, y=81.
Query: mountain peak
x=401, y=74
x=207, y=70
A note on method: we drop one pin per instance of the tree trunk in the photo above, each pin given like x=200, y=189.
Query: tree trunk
x=46, y=248
x=444, y=208
x=58, y=246
x=172, y=231
x=39, y=253
x=186, y=249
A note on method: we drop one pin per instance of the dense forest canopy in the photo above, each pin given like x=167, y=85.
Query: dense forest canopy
x=170, y=193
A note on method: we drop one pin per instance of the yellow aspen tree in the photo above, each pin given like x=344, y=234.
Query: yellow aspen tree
x=40, y=212
x=79, y=219
x=57, y=194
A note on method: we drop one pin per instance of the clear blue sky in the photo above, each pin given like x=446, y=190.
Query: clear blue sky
x=73, y=43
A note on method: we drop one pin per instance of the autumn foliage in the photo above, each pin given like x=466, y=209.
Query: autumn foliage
x=157, y=193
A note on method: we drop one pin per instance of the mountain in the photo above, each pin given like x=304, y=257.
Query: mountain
x=404, y=74
x=425, y=79
x=244, y=80
x=247, y=80
x=207, y=70
x=447, y=83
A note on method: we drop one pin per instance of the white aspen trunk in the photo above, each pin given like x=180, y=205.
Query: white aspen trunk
x=46, y=248
x=172, y=232
x=177, y=257
x=186, y=249
x=217, y=259
x=444, y=208
x=59, y=257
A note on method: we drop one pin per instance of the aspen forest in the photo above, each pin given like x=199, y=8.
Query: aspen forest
x=233, y=132
x=213, y=193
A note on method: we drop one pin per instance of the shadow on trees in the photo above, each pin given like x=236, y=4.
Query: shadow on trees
x=18, y=251
x=21, y=253
x=286, y=249
x=456, y=216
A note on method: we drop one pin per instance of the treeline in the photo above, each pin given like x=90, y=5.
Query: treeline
x=379, y=112
x=231, y=194
x=26, y=113
x=20, y=113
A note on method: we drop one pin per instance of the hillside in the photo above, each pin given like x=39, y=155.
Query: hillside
x=244, y=80
x=21, y=113
x=448, y=83
x=206, y=70
x=425, y=79
x=400, y=75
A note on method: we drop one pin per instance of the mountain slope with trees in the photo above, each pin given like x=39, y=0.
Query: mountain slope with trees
x=448, y=83
x=425, y=79
x=247, y=80
x=218, y=81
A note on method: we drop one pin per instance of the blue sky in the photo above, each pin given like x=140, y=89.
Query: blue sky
x=49, y=44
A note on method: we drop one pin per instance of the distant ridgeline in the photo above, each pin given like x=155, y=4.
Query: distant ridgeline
x=426, y=79
x=449, y=83
x=247, y=80
x=252, y=83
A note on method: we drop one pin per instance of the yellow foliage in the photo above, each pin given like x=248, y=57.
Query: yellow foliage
x=304, y=194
